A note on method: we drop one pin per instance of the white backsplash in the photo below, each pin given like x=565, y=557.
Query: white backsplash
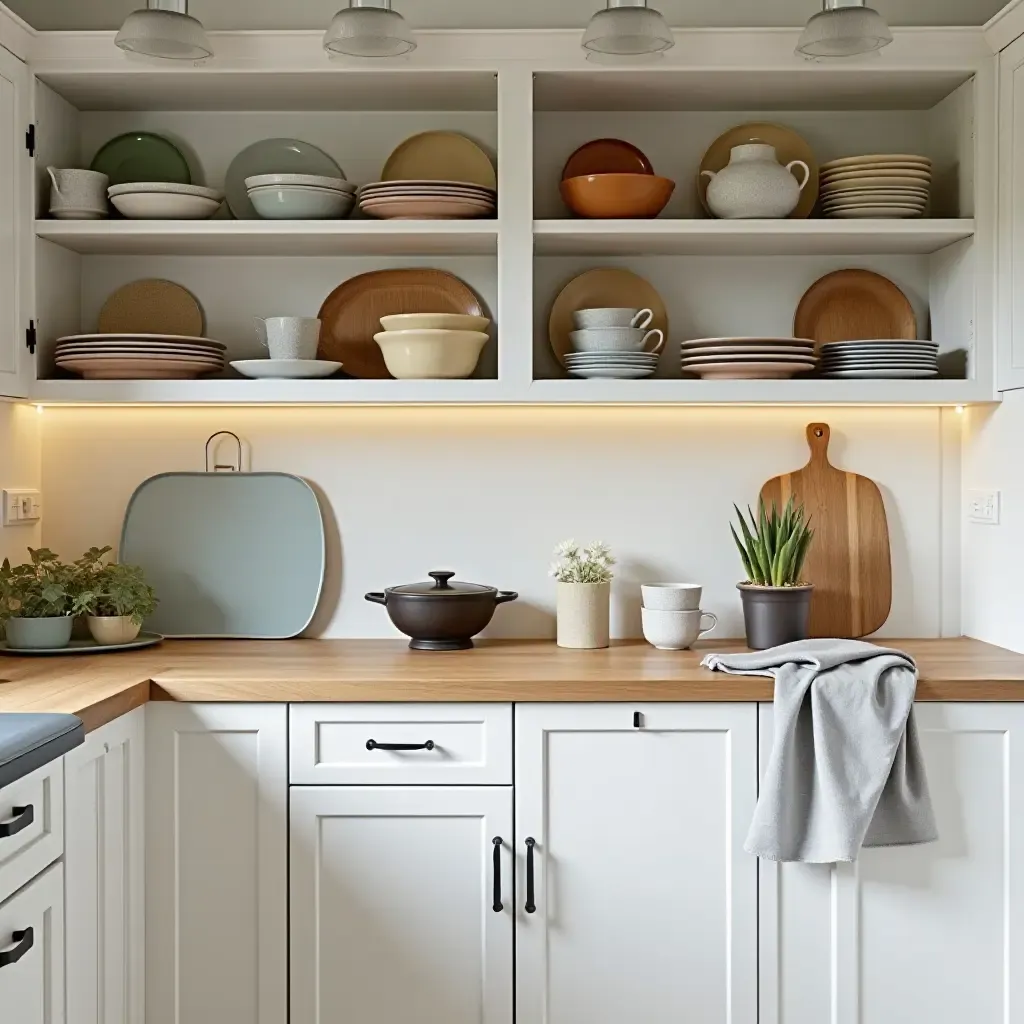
x=488, y=492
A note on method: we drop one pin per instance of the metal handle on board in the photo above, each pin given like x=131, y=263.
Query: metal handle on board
x=223, y=467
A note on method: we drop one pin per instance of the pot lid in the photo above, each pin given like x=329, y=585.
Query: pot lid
x=441, y=586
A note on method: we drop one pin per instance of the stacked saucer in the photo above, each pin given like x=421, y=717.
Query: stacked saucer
x=886, y=185
x=880, y=359
x=619, y=365
x=747, y=358
x=138, y=356
x=427, y=200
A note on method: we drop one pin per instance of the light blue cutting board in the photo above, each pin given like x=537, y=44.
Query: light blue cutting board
x=229, y=554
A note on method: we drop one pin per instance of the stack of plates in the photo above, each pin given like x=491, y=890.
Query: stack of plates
x=427, y=200
x=300, y=196
x=876, y=185
x=620, y=365
x=139, y=356
x=880, y=359
x=747, y=358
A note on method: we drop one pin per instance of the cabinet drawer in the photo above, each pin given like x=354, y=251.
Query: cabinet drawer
x=37, y=799
x=354, y=744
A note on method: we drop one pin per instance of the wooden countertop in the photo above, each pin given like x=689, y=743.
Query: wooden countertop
x=100, y=688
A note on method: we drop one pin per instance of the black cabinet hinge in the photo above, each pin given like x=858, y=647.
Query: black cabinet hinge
x=30, y=140
x=30, y=337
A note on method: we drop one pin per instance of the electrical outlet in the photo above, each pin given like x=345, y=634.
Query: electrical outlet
x=22, y=507
x=983, y=507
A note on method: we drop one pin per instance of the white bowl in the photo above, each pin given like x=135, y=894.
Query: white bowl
x=164, y=206
x=314, y=180
x=431, y=354
x=299, y=202
x=166, y=186
x=434, y=322
x=671, y=597
x=674, y=631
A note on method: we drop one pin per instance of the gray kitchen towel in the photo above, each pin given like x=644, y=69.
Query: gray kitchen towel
x=846, y=769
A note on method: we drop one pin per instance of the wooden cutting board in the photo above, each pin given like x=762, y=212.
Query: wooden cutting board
x=848, y=561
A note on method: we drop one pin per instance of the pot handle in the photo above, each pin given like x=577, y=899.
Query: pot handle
x=505, y=595
x=807, y=171
x=377, y=597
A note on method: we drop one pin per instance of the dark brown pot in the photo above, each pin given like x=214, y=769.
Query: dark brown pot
x=441, y=616
x=775, y=615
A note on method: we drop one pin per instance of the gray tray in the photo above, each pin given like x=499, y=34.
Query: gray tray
x=229, y=554
x=85, y=646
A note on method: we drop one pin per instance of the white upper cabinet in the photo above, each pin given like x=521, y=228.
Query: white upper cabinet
x=924, y=933
x=1010, y=322
x=643, y=905
x=15, y=224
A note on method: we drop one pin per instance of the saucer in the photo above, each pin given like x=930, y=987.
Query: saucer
x=285, y=369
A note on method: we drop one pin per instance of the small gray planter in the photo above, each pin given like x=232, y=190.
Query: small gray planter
x=775, y=615
x=39, y=634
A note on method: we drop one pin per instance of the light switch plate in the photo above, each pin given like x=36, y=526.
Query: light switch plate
x=983, y=507
x=21, y=506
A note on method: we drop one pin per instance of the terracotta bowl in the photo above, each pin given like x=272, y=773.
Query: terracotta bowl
x=617, y=195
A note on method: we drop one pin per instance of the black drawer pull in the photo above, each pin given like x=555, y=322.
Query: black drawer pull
x=531, y=905
x=497, y=906
x=24, y=941
x=23, y=817
x=374, y=745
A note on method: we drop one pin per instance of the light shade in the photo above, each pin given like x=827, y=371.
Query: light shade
x=169, y=35
x=627, y=28
x=369, y=28
x=845, y=28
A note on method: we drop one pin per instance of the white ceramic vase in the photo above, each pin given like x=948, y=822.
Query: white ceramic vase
x=584, y=610
x=755, y=184
x=113, y=629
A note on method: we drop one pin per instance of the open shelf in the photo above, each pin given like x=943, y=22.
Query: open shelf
x=273, y=238
x=747, y=237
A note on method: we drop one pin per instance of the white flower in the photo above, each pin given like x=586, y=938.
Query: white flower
x=567, y=549
x=591, y=565
x=555, y=570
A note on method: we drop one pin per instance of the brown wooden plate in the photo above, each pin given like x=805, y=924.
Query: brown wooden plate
x=606, y=156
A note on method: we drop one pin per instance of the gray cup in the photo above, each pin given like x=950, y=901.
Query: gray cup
x=612, y=316
x=289, y=337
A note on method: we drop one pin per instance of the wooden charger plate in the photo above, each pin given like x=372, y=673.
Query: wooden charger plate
x=851, y=305
x=350, y=315
x=151, y=306
x=447, y=156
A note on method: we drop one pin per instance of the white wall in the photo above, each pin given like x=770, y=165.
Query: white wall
x=488, y=492
x=20, y=467
x=993, y=556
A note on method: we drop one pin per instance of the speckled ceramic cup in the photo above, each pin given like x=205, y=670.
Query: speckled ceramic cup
x=672, y=597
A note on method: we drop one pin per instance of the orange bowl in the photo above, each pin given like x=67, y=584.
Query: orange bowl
x=617, y=195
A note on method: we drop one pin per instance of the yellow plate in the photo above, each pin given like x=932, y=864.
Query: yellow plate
x=440, y=156
x=788, y=146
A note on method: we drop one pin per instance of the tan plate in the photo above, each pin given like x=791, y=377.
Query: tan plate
x=138, y=368
x=893, y=174
x=879, y=212
x=425, y=191
x=425, y=209
x=151, y=306
x=795, y=343
x=747, y=371
x=351, y=313
x=754, y=352
x=748, y=357
x=843, y=193
x=848, y=305
x=788, y=146
x=925, y=168
x=137, y=350
x=605, y=286
x=875, y=158
x=445, y=156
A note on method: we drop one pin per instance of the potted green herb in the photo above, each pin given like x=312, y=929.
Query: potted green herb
x=38, y=601
x=584, y=594
x=115, y=597
x=776, y=601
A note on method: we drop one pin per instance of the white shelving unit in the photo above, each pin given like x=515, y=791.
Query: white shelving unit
x=531, y=99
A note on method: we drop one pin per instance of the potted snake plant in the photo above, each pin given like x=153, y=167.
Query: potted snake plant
x=38, y=601
x=776, y=599
x=115, y=597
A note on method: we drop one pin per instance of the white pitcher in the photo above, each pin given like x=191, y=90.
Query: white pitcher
x=755, y=184
x=289, y=337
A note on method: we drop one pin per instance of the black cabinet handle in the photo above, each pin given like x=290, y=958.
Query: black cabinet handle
x=531, y=905
x=498, y=906
x=374, y=745
x=23, y=817
x=24, y=941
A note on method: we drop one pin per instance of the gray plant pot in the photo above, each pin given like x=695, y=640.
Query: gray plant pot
x=39, y=634
x=775, y=615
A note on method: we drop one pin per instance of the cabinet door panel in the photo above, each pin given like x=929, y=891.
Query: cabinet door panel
x=645, y=901
x=392, y=905
x=216, y=871
x=912, y=933
x=1010, y=322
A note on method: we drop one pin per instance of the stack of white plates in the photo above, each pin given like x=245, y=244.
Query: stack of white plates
x=877, y=185
x=621, y=365
x=139, y=356
x=747, y=358
x=427, y=200
x=164, y=200
x=300, y=196
x=880, y=359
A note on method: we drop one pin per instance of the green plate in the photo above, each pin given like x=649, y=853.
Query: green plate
x=141, y=156
x=82, y=647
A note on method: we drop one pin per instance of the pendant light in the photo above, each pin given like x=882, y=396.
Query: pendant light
x=369, y=28
x=166, y=30
x=844, y=28
x=627, y=29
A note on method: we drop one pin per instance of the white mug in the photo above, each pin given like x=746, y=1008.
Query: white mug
x=289, y=337
x=617, y=339
x=74, y=190
x=675, y=631
x=671, y=597
x=612, y=316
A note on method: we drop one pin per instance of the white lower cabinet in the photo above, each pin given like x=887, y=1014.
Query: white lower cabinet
x=32, y=952
x=644, y=904
x=399, y=911
x=927, y=933
x=216, y=864
x=104, y=835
